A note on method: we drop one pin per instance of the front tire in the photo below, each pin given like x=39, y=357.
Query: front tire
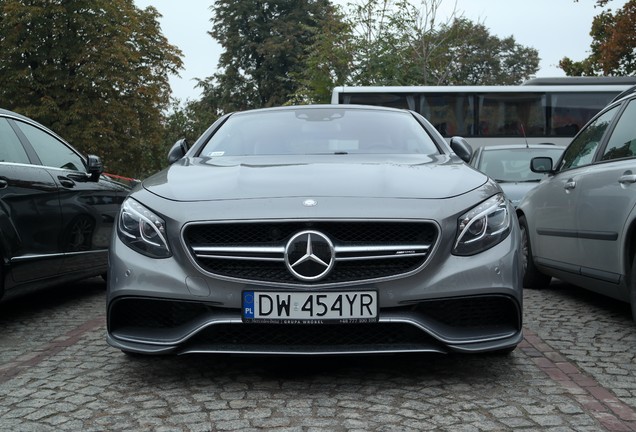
x=632, y=289
x=532, y=277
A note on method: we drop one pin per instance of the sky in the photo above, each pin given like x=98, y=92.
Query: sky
x=556, y=28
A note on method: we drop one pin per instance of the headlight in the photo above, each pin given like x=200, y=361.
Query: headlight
x=142, y=230
x=483, y=227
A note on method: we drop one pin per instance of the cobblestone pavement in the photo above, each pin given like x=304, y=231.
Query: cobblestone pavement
x=575, y=371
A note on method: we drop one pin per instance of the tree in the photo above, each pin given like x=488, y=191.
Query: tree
x=398, y=43
x=327, y=62
x=95, y=71
x=613, y=47
x=382, y=41
x=470, y=55
x=189, y=120
x=265, y=44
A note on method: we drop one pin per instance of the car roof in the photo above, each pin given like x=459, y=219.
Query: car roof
x=623, y=95
x=543, y=146
x=348, y=107
x=6, y=112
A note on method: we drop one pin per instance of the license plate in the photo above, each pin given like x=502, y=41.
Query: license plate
x=310, y=307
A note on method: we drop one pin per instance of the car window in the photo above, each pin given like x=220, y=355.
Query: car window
x=622, y=143
x=11, y=149
x=51, y=151
x=320, y=131
x=581, y=150
x=513, y=165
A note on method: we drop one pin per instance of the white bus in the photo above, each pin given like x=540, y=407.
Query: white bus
x=538, y=111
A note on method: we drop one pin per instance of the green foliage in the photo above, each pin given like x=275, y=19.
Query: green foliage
x=383, y=45
x=398, y=43
x=613, y=48
x=188, y=120
x=284, y=52
x=265, y=45
x=470, y=55
x=327, y=62
x=95, y=71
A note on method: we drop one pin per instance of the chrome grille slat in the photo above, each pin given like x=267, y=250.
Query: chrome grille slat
x=363, y=250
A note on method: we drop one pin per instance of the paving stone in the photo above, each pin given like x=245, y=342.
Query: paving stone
x=576, y=371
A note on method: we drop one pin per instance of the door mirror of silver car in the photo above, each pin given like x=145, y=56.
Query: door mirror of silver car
x=177, y=151
x=95, y=167
x=541, y=164
x=461, y=148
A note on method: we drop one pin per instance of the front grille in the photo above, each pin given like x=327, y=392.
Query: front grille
x=364, y=251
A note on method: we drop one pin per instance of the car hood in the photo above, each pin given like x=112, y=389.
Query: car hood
x=373, y=176
x=515, y=191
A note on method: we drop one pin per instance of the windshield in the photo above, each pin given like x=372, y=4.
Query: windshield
x=326, y=130
x=513, y=165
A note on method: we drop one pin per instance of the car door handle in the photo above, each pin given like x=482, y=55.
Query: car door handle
x=66, y=182
x=627, y=178
x=3, y=183
x=569, y=185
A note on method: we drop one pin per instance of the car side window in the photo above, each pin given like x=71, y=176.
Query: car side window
x=11, y=149
x=622, y=143
x=51, y=151
x=582, y=149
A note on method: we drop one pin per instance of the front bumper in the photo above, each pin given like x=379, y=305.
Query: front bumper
x=466, y=324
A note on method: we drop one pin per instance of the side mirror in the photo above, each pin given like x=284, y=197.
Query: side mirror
x=177, y=151
x=461, y=148
x=541, y=164
x=95, y=167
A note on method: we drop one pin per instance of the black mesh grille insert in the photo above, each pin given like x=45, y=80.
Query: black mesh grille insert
x=308, y=335
x=472, y=312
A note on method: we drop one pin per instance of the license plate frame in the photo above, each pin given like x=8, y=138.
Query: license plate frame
x=309, y=307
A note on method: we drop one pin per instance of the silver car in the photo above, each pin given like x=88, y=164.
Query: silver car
x=316, y=230
x=579, y=224
x=509, y=165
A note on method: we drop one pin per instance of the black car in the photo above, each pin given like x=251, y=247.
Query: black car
x=56, y=208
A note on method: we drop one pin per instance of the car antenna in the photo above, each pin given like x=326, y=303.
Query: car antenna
x=523, y=131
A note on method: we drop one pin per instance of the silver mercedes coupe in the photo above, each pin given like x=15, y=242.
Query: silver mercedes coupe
x=316, y=230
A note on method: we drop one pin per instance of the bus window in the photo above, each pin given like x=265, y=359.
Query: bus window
x=544, y=110
x=511, y=114
x=571, y=111
x=451, y=113
x=404, y=101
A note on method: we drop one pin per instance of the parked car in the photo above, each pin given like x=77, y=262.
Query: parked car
x=509, y=165
x=316, y=230
x=56, y=209
x=579, y=225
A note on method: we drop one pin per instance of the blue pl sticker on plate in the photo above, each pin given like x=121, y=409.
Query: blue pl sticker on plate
x=248, y=304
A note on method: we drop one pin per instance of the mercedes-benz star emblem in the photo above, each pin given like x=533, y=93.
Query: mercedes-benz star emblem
x=310, y=203
x=309, y=255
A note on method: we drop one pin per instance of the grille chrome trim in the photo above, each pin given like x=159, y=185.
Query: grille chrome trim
x=276, y=253
x=240, y=252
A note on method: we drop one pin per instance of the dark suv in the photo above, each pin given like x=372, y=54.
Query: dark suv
x=579, y=223
x=56, y=208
